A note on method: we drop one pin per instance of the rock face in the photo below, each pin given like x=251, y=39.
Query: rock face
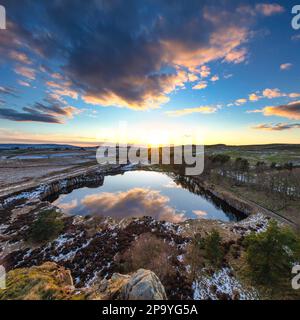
x=141, y=285
x=144, y=285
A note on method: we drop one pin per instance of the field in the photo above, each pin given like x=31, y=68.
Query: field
x=277, y=153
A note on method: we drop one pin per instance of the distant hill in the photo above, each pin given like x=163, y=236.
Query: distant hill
x=258, y=147
x=14, y=146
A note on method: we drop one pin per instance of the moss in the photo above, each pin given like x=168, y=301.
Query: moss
x=46, y=282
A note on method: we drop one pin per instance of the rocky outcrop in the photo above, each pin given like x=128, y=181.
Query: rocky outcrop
x=53, y=282
x=144, y=285
x=66, y=185
x=141, y=285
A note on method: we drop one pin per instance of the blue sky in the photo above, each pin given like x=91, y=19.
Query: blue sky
x=70, y=74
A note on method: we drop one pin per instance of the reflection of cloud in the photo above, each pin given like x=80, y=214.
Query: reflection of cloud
x=67, y=207
x=135, y=202
x=172, y=185
x=200, y=213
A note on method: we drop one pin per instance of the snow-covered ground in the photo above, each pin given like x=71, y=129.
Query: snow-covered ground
x=222, y=285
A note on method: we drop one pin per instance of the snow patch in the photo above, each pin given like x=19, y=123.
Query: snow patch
x=222, y=284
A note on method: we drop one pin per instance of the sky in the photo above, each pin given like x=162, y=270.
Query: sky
x=149, y=72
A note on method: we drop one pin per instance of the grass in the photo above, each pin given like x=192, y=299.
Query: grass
x=46, y=282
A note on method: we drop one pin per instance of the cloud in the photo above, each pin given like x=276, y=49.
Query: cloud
x=254, y=97
x=261, y=9
x=31, y=115
x=236, y=56
x=57, y=76
x=26, y=72
x=62, y=89
x=294, y=95
x=286, y=66
x=9, y=91
x=272, y=93
x=240, y=102
x=204, y=71
x=137, y=202
x=201, y=109
x=200, y=86
x=24, y=83
x=255, y=111
x=20, y=57
x=214, y=78
x=290, y=111
x=193, y=77
x=269, y=9
x=267, y=93
x=49, y=111
x=135, y=60
x=277, y=127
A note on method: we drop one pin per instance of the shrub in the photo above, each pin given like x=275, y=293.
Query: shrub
x=195, y=254
x=213, y=248
x=270, y=255
x=47, y=227
x=149, y=252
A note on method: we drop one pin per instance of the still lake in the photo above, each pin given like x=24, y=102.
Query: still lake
x=146, y=193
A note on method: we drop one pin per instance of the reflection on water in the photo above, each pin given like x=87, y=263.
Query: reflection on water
x=144, y=193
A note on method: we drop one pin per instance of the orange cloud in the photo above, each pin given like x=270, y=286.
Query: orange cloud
x=254, y=97
x=290, y=111
x=214, y=78
x=236, y=56
x=200, y=86
x=272, y=93
x=151, y=98
x=204, y=71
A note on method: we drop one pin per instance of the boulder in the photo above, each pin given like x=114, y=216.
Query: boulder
x=144, y=285
x=141, y=285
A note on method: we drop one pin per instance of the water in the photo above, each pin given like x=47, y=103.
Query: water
x=144, y=193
